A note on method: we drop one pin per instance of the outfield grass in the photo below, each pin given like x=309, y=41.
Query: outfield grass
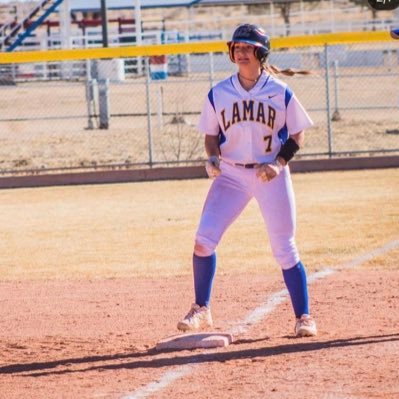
x=147, y=229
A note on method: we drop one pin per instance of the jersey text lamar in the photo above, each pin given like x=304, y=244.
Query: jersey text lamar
x=249, y=111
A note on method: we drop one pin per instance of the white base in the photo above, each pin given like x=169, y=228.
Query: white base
x=195, y=341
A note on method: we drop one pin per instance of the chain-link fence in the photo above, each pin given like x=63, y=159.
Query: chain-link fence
x=129, y=113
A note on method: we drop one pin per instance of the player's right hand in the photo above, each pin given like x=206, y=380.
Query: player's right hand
x=268, y=171
x=212, y=166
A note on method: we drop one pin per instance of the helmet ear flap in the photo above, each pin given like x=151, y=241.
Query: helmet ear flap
x=261, y=54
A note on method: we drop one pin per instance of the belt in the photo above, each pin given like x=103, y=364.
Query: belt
x=247, y=165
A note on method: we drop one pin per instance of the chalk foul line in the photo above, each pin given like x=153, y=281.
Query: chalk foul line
x=255, y=317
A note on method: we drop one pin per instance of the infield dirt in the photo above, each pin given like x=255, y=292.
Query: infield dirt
x=93, y=276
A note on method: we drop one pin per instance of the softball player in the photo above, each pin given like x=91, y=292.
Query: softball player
x=253, y=126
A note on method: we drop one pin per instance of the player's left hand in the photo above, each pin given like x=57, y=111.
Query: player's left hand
x=212, y=166
x=268, y=171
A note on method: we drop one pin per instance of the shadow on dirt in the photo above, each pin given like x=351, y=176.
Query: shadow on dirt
x=156, y=359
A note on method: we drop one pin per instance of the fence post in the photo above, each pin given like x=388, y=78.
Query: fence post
x=14, y=71
x=211, y=69
x=336, y=115
x=148, y=103
x=103, y=103
x=90, y=99
x=329, y=129
x=91, y=84
x=160, y=108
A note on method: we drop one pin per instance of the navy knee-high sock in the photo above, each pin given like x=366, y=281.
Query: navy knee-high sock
x=295, y=280
x=204, y=268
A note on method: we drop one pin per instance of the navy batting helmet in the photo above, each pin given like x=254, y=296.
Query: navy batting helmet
x=254, y=35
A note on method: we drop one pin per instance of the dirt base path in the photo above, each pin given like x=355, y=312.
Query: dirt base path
x=91, y=277
x=95, y=339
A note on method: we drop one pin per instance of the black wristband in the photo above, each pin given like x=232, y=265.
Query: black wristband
x=288, y=150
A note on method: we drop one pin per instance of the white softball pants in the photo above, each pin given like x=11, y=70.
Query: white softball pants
x=230, y=193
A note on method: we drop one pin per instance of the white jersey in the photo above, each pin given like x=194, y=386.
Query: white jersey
x=252, y=125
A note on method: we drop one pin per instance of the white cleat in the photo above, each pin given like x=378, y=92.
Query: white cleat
x=305, y=326
x=199, y=317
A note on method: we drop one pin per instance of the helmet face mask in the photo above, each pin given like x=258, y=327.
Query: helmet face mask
x=253, y=35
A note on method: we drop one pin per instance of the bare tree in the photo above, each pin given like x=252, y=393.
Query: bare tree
x=364, y=4
x=285, y=8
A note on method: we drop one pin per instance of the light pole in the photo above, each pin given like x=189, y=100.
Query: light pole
x=103, y=81
x=137, y=22
x=137, y=25
x=104, y=22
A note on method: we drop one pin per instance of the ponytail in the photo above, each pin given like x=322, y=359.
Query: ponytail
x=273, y=70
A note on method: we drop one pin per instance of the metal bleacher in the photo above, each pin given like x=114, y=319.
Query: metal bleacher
x=87, y=32
x=13, y=34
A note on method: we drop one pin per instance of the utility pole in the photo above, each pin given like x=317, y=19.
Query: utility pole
x=138, y=31
x=104, y=21
x=103, y=82
x=137, y=22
